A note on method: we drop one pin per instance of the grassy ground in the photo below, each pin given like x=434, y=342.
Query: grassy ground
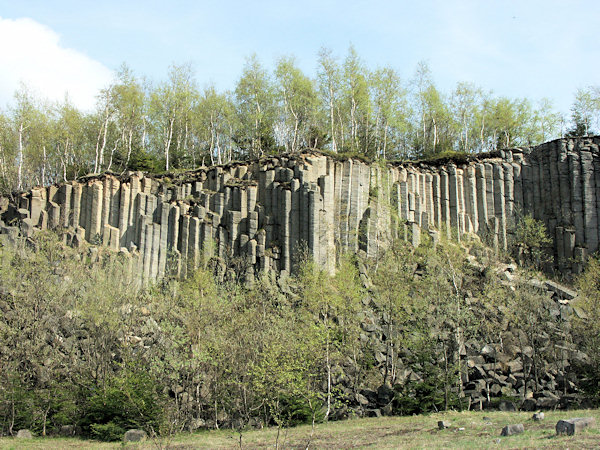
x=481, y=430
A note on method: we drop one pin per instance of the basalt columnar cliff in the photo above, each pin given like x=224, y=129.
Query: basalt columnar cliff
x=262, y=212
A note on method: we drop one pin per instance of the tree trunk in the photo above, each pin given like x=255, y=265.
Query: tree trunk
x=20, y=159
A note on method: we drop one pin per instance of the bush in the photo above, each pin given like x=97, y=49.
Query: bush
x=108, y=432
x=129, y=400
x=530, y=242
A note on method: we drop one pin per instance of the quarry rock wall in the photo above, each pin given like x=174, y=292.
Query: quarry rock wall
x=260, y=215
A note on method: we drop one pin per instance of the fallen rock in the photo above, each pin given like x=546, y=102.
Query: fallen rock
x=488, y=351
x=563, y=292
x=574, y=425
x=135, y=436
x=509, y=430
x=24, y=434
x=443, y=424
x=538, y=416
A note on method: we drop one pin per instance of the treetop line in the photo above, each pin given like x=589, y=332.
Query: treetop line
x=173, y=124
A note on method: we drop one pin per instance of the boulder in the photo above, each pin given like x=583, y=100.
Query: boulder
x=135, y=436
x=488, y=351
x=509, y=430
x=561, y=291
x=24, y=434
x=443, y=424
x=574, y=425
x=538, y=416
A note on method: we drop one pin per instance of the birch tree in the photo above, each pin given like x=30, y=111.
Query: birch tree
x=254, y=95
x=297, y=94
x=171, y=108
x=329, y=77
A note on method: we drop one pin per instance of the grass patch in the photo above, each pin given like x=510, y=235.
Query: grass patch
x=481, y=430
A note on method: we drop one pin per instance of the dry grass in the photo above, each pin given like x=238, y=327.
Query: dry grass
x=481, y=430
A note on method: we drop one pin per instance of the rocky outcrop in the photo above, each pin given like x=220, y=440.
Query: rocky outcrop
x=261, y=213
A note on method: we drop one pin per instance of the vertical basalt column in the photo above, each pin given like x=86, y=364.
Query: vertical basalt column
x=554, y=185
x=489, y=190
x=165, y=209
x=95, y=208
x=596, y=164
x=146, y=250
x=527, y=182
x=53, y=215
x=437, y=201
x=77, y=193
x=193, y=256
x=576, y=195
x=337, y=168
x=471, y=199
x=569, y=244
x=106, y=198
x=86, y=202
x=295, y=216
x=125, y=196
x=251, y=198
x=537, y=187
x=328, y=222
x=445, y=188
x=139, y=212
x=509, y=190
x=65, y=193
x=404, y=200
x=454, y=201
x=115, y=202
x=518, y=186
x=549, y=159
x=559, y=239
x=345, y=196
x=154, y=257
x=499, y=205
x=314, y=202
x=429, y=199
x=286, y=213
x=460, y=190
x=590, y=216
x=37, y=206
x=173, y=229
x=233, y=228
x=134, y=209
x=185, y=233
x=268, y=194
x=481, y=187
x=354, y=215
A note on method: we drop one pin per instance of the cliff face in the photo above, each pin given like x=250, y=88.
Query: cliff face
x=261, y=213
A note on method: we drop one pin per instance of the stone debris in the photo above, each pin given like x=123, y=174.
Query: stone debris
x=574, y=425
x=510, y=430
x=443, y=424
x=24, y=434
x=538, y=416
x=135, y=436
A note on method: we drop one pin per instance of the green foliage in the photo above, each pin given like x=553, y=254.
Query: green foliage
x=129, y=399
x=347, y=109
x=531, y=240
x=587, y=328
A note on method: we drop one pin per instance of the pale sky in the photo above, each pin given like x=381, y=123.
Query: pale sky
x=524, y=48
